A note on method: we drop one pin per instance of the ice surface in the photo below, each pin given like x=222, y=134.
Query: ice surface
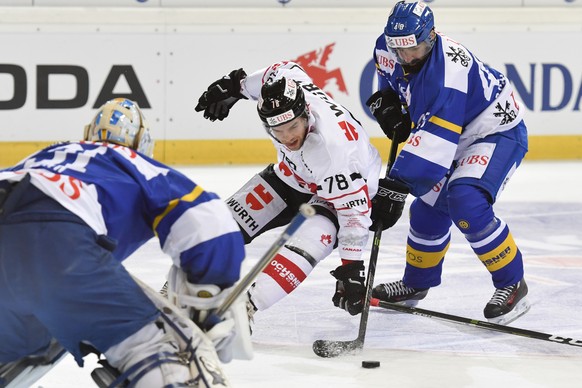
x=542, y=205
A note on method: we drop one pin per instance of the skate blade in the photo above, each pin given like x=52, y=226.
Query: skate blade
x=520, y=309
x=409, y=303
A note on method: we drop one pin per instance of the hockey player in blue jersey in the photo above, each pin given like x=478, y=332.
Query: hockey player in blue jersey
x=69, y=215
x=465, y=137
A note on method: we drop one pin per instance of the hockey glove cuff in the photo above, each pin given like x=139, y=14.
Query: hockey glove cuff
x=388, y=203
x=386, y=107
x=350, y=290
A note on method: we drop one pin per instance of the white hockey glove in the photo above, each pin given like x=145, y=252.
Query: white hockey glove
x=231, y=334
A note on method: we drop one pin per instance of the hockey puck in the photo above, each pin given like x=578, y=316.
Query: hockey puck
x=370, y=364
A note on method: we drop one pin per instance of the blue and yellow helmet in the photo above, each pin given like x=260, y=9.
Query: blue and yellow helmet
x=121, y=121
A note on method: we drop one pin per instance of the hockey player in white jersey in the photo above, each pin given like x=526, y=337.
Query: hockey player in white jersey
x=324, y=157
x=69, y=215
x=468, y=137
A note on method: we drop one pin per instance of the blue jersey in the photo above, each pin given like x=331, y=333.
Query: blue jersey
x=132, y=198
x=454, y=101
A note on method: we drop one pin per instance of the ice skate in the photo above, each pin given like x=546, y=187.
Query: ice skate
x=398, y=292
x=507, y=304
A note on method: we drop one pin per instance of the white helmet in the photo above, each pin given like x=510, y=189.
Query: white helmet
x=121, y=121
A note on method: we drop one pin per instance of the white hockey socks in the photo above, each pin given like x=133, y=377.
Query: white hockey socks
x=313, y=242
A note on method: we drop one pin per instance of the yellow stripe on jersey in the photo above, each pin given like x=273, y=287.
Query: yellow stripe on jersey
x=446, y=124
x=190, y=197
x=501, y=255
x=421, y=259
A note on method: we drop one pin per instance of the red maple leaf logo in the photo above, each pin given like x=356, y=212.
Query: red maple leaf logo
x=325, y=239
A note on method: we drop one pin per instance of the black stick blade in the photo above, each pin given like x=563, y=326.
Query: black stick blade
x=330, y=349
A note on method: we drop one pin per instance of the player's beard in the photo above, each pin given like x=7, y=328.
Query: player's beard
x=415, y=66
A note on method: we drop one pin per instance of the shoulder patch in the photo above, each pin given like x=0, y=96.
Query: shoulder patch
x=458, y=55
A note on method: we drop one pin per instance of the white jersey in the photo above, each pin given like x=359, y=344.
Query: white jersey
x=337, y=163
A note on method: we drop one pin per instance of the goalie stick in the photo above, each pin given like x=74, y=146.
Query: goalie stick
x=476, y=323
x=305, y=211
x=331, y=348
x=104, y=375
x=28, y=370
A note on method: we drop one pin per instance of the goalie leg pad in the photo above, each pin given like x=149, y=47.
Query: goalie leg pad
x=170, y=350
x=149, y=358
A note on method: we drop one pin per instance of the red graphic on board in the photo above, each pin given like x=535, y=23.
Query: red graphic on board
x=315, y=64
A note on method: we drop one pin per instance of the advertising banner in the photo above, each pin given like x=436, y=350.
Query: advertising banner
x=49, y=90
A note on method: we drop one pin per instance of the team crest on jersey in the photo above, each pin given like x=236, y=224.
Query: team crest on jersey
x=457, y=54
x=506, y=113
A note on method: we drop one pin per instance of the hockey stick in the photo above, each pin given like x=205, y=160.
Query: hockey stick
x=330, y=348
x=476, y=323
x=106, y=374
x=28, y=370
x=305, y=211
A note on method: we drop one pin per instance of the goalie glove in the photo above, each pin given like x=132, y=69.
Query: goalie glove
x=230, y=333
x=349, y=287
x=221, y=95
x=386, y=107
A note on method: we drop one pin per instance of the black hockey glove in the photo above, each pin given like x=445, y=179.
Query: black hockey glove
x=221, y=95
x=350, y=290
x=388, y=203
x=387, y=109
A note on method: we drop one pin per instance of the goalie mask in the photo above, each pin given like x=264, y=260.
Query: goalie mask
x=121, y=121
